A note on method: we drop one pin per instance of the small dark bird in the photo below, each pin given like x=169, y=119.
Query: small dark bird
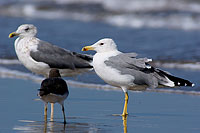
x=53, y=90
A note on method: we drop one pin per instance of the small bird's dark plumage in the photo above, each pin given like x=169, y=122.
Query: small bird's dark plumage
x=54, y=84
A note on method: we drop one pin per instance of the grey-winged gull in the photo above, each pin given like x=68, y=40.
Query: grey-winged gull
x=124, y=70
x=53, y=90
x=40, y=57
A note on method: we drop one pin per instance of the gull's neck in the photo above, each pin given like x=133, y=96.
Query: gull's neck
x=110, y=51
x=107, y=54
x=30, y=36
x=24, y=40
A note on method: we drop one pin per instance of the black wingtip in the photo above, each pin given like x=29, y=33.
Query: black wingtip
x=183, y=82
x=177, y=81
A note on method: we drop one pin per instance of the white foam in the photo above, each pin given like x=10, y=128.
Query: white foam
x=174, y=91
x=176, y=21
x=135, y=14
x=7, y=73
x=29, y=10
x=165, y=64
x=10, y=62
x=179, y=65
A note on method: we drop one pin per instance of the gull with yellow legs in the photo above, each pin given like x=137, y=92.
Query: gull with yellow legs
x=126, y=71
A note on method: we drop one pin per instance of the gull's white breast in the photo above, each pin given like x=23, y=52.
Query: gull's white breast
x=108, y=74
x=23, y=46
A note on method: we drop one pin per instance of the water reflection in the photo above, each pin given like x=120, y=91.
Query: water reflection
x=55, y=126
x=125, y=123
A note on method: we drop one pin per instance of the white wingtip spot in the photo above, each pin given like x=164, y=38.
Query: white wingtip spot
x=193, y=85
x=179, y=83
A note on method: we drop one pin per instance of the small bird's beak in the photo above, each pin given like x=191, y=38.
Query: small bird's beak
x=86, y=48
x=13, y=34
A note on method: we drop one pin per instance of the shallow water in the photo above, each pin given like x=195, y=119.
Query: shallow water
x=90, y=110
x=166, y=44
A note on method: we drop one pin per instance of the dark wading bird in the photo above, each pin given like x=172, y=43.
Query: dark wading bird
x=53, y=90
x=126, y=71
x=39, y=56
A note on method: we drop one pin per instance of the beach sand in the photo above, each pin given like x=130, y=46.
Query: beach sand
x=90, y=110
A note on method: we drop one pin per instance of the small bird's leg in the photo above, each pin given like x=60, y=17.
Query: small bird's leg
x=63, y=110
x=124, y=114
x=45, y=112
x=45, y=127
x=52, y=111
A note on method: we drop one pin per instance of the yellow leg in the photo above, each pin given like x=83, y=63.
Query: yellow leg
x=124, y=114
x=63, y=110
x=125, y=123
x=52, y=111
x=45, y=112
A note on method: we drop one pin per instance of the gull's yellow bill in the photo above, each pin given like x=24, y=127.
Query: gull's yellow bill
x=86, y=48
x=13, y=34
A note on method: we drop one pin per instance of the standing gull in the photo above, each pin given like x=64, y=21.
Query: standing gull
x=39, y=56
x=124, y=70
x=53, y=90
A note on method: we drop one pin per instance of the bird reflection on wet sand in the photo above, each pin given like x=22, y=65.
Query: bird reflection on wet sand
x=125, y=123
x=72, y=125
x=44, y=126
x=50, y=127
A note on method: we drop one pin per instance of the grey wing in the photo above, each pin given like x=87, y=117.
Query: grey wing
x=143, y=73
x=128, y=61
x=57, y=57
x=139, y=68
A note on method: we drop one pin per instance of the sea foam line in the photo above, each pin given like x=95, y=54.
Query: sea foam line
x=10, y=62
x=179, y=65
x=7, y=73
x=126, y=13
x=165, y=64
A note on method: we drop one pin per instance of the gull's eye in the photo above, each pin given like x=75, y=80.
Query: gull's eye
x=26, y=29
x=101, y=44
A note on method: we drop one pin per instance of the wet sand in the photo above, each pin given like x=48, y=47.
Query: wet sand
x=90, y=110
